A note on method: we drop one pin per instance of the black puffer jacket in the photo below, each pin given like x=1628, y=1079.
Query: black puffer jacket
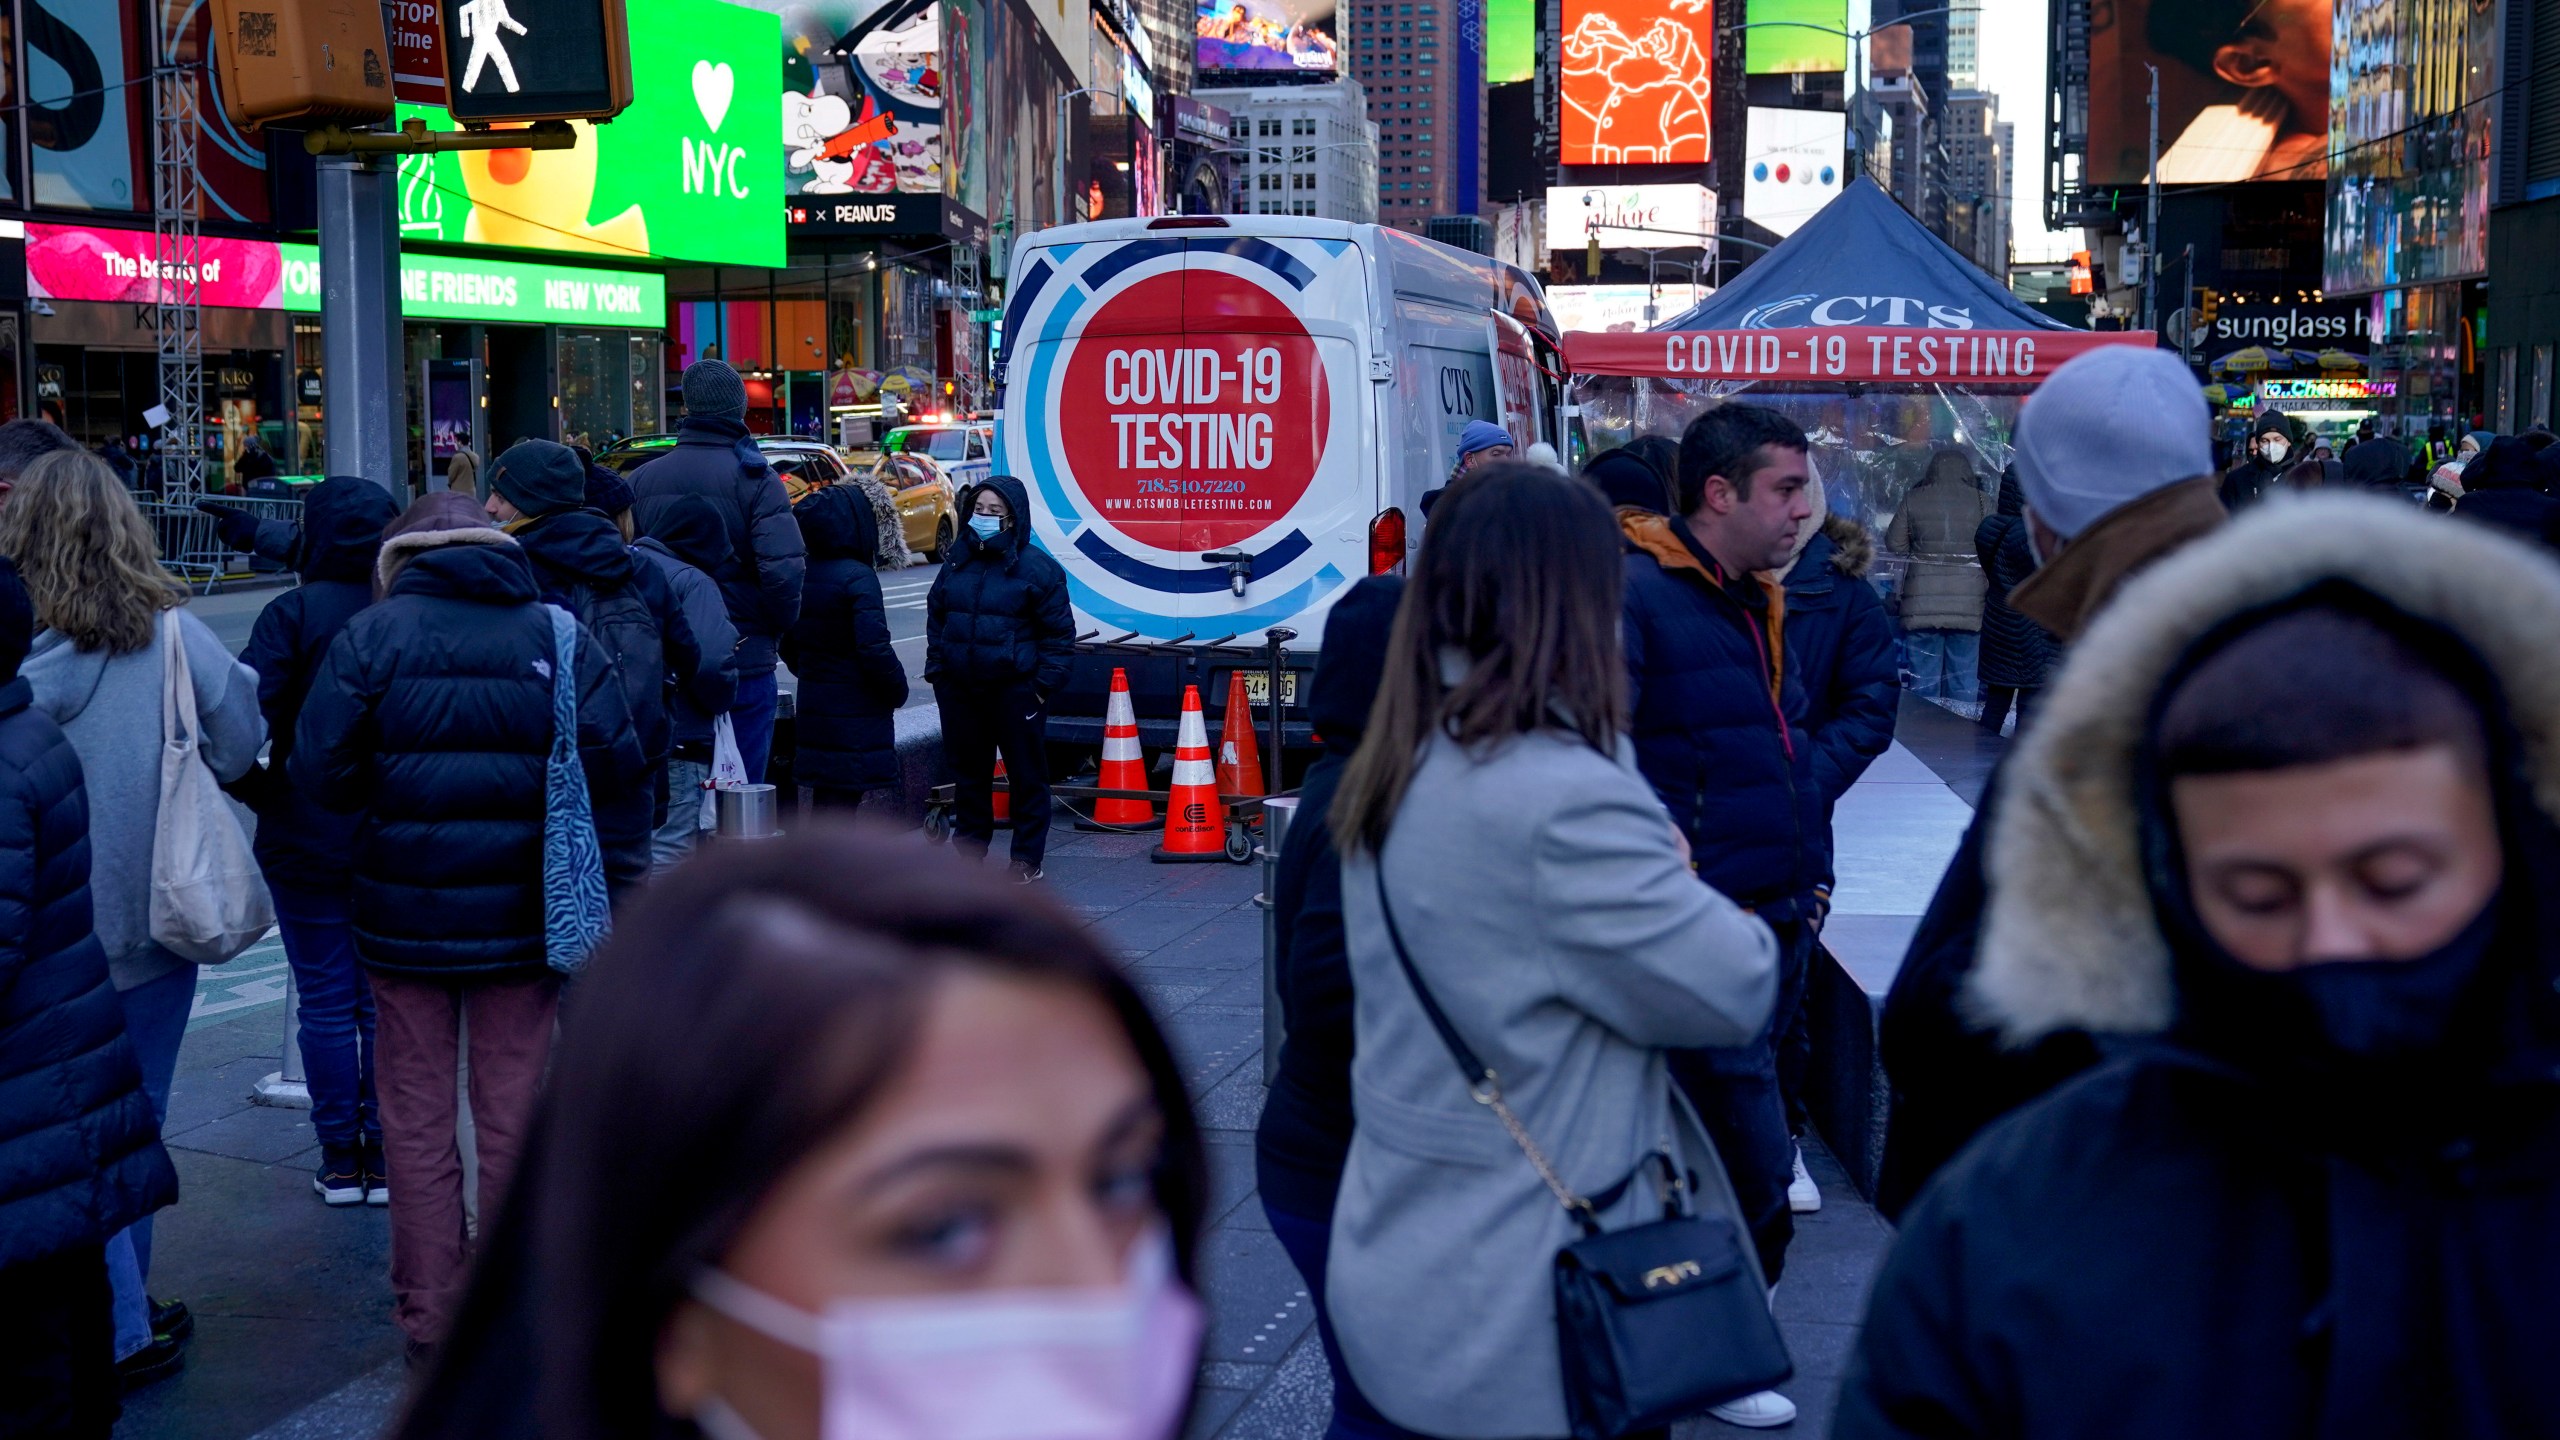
x=998, y=617
x=432, y=716
x=2502, y=487
x=1305, y=1132
x=301, y=842
x=80, y=1154
x=851, y=683
x=2017, y=653
x=765, y=565
x=686, y=547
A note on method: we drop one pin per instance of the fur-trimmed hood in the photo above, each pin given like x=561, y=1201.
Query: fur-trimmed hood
x=402, y=548
x=1853, y=550
x=2070, y=938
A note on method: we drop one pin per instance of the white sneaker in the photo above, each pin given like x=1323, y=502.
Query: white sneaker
x=1765, y=1411
x=1803, y=1196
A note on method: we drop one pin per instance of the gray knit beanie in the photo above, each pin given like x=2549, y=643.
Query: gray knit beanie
x=713, y=391
x=2106, y=429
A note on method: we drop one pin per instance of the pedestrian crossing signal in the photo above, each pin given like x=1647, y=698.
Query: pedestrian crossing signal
x=511, y=61
x=2083, y=279
x=302, y=60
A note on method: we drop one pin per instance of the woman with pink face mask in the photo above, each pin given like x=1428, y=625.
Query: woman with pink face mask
x=834, y=1159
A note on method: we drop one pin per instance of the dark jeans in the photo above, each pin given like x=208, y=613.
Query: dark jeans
x=57, y=1348
x=155, y=1015
x=975, y=725
x=840, y=803
x=1308, y=1240
x=759, y=698
x=1996, y=700
x=336, y=1012
x=1736, y=1092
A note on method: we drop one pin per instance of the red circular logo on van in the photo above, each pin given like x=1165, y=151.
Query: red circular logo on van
x=1194, y=412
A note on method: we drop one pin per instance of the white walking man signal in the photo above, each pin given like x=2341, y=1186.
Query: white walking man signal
x=481, y=21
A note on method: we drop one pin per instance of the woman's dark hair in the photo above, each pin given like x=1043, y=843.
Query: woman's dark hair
x=750, y=1005
x=1520, y=574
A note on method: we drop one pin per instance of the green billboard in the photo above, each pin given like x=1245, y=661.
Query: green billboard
x=457, y=287
x=1510, y=40
x=692, y=171
x=1792, y=49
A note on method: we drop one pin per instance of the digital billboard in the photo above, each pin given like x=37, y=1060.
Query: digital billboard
x=1793, y=164
x=1286, y=35
x=1794, y=47
x=1510, y=40
x=1631, y=217
x=2244, y=91
x=689, y=171
x=1638, y=81
x=871, y=123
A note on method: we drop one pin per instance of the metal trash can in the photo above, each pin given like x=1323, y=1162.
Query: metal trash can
x=748, y=812
x=1278, y=812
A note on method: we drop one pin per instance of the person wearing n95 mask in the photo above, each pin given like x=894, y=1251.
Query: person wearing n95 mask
x=852, y=1142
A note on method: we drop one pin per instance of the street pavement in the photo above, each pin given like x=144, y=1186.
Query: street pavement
x=293, y=1335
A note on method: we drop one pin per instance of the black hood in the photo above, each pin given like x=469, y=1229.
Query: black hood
x=2376, y=464
x=479, y=571
x=2508, y=464
x=1354, y=661
x=689, y=528
x=342, y=522
x=1008, y=541
x=577, y=547
x=1627, y=480
x=837, y=523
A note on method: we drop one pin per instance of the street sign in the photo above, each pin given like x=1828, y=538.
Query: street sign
x=517, y=60
x=417, y=51
x=983, y=316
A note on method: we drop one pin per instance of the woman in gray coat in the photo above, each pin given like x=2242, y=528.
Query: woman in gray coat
x=1549, y=904
x=1942, y=589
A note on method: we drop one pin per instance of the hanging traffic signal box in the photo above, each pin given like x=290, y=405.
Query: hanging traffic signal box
x=509, y=61
x=2208, y=305
x=302, y=60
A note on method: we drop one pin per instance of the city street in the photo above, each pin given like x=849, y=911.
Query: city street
x=294, y=1337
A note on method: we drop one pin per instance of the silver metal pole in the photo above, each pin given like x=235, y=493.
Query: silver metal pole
x=361, y=380
x=1278, y=814
x=2151, y=217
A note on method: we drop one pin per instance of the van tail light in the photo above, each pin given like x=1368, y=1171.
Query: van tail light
x=1386, y=542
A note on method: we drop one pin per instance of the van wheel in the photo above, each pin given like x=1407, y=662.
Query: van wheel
x=941, y=540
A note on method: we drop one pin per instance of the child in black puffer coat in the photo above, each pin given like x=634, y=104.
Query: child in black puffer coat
x=851, y=681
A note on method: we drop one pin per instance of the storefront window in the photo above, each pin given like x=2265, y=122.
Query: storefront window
x=310, y=441
x=648, y=385
x=595, y=386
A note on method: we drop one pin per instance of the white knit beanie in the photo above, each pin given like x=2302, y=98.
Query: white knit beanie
x=2105, y=430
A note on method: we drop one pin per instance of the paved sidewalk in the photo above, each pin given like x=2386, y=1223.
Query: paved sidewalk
x=294, y=1342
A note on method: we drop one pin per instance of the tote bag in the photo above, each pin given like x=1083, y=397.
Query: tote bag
x=208, y=900
x=576, y=913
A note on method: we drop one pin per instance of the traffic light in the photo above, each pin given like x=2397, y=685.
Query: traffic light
x=302, y=60
x=1591, y=256
x=2208, y=305
x=2083, y=282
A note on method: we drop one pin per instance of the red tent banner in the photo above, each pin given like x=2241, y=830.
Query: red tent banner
x=1886, y=354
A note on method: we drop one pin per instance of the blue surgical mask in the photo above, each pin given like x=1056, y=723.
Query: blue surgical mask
x=987, y=526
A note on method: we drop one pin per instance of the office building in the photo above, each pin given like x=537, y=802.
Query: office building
x=1423, y=67
x=1302, y=149
x=1964, y=46
x=1977, y=179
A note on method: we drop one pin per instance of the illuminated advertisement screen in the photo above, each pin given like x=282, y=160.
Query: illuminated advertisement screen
x=1638, y=81
x=1510, y=40
x=1792, y=166
x=1792, y=48
x=1289, y=35
x=2244, y=90
x=871, y=123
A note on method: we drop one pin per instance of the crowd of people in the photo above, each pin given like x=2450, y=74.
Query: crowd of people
x=2225, y=1062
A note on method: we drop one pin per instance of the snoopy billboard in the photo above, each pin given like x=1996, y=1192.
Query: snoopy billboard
x=688, y=172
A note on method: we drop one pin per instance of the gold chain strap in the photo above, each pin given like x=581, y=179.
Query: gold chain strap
x=1488, y=1093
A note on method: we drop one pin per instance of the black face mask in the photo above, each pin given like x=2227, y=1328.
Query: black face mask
x=2382, y=1010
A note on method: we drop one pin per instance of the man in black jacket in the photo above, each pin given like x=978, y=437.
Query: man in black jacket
x=2262, y=469
x=2113, y=457
x=999, y=636
x=80, y=1155
x=303, y=846
x=432, y=719
x=716, y=459
x=537, y=493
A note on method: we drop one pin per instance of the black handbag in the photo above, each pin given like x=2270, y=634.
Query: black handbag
x=1654, y=1322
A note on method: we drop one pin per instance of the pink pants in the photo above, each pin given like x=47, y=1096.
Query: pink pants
x=417, y=1046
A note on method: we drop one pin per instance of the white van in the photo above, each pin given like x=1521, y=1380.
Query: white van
x=1225, y=421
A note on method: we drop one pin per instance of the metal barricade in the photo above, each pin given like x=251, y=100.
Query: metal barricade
x=190, y=540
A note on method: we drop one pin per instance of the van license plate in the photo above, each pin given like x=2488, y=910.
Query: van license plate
x=1257, y=687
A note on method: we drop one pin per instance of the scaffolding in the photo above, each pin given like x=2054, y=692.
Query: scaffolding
x=177, y=199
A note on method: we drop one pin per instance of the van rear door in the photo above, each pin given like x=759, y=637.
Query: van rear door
x=1190, y=412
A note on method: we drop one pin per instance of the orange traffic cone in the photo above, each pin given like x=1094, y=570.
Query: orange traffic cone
x=1124, y=766
x=1239, y=754
x=1195, y=822
x=1004, y=794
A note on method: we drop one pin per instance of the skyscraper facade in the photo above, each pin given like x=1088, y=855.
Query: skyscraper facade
x=1422, y=64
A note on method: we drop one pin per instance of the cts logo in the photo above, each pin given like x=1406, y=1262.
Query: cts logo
x=1857, y=310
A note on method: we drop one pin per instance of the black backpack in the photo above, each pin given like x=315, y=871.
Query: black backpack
x=627, y=632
